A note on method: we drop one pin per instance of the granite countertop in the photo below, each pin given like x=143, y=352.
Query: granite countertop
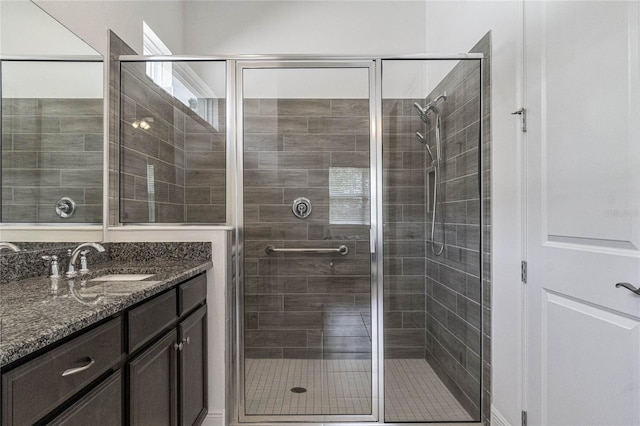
x=36, y=312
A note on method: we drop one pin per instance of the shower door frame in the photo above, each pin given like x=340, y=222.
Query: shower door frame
x=235, y=305
x=375, y=174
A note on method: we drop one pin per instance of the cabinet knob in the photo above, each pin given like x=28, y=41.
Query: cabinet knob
x=186, y=340
x=178, y=346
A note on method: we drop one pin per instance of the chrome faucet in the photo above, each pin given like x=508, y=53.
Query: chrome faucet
x=71, y=269
x=9, y=247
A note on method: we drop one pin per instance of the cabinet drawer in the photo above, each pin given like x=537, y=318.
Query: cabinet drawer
x=37, y=387
x=101, y=406
x=150, y=318
x=192, y=293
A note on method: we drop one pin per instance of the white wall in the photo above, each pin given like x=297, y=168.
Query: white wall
x=91, y=19
x=304, y=27
x=456, y=26
x=314, y=27
x=26, y=30
x=52, y=80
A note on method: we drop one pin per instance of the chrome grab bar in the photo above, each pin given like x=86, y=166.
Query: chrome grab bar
x=342, y=250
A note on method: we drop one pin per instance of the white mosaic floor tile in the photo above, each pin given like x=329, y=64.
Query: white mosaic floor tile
x=413, y=390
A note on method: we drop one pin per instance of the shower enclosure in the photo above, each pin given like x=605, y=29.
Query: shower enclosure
x=355, y=191
x=359, y=290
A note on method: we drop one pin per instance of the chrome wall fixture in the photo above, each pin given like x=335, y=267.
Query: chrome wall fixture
x=436, y=163
x=301, y=207
x=342, y=250
x=65, y=207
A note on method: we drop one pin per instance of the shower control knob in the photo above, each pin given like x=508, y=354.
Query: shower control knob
x=301, y=207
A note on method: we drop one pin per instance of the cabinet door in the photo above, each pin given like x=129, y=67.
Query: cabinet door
x=153, y=383
x=101, y=406
x=193, y=367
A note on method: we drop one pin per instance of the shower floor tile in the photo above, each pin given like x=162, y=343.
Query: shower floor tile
x=414, y=392
x=333, y=386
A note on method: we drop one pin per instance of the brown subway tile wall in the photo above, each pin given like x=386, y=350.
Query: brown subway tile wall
x=51, y=148
x=457, y=322
x=174, y=172
x=304, y=305
x=404, y=183
x=178, y=166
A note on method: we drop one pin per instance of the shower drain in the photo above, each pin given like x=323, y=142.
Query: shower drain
x=298, y=390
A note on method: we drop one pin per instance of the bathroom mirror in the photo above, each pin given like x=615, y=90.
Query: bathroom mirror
x=52, y=129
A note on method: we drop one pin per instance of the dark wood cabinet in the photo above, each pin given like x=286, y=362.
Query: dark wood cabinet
x=168, y=380
x=151, y=318
x=192, y=333
x=37, y=387
x=161, y=377
x=101, y=406
x=153, y=384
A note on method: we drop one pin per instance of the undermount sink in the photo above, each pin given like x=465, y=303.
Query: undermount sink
x=122, y=277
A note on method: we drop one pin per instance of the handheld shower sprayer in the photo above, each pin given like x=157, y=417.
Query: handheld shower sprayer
x=430, y=106
x=435, y=164
x=419, y=108
x=423, y=141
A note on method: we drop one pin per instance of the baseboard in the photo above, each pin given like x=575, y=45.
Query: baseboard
x=214, y=419
x=498, y=419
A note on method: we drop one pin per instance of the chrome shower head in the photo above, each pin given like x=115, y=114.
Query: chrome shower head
x=432, y=105
x=422, y=111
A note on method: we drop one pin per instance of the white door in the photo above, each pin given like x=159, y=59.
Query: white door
x=583, y=212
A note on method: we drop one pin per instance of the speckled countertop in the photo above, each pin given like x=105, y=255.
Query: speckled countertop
x=34, y=313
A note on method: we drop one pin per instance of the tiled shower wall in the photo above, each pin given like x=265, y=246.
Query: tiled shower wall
x=185, y=154
x=51, y=148
x=304, y=305
x=454, y=305
x=404, y=197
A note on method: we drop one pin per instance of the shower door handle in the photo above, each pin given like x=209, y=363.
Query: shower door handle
x=342, y=250
x=629, y=287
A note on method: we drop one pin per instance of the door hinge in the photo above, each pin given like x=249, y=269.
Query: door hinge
x=523, y=118
x=523, y=271
x=524, y=418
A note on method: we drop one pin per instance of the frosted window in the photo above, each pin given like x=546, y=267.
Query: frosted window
x=349, y=195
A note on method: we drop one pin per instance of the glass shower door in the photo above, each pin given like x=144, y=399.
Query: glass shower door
x=433, y=314
x=306, y=346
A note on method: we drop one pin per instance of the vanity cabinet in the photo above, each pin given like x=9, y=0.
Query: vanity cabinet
x=153, y=384
x=192, y=367
x=145, y=366
x=35, y=388
x=167, y=380
x=101, y=406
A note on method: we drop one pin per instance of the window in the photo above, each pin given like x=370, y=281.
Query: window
x=160, y=72
x=349, y=196
x=178, y=79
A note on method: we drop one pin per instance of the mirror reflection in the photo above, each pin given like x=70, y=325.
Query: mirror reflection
x=52, y=122
x=52, y=139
